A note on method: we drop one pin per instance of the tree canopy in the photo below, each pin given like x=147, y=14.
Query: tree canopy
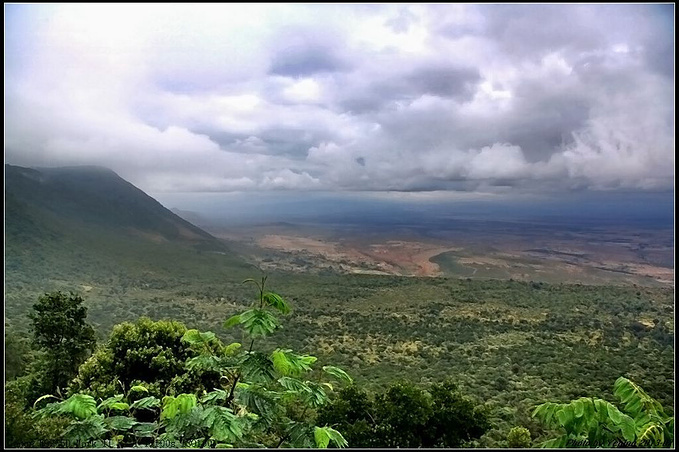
x=61, y=332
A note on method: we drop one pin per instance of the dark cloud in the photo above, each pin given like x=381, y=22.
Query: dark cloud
x=530, y=30
x=302, y=60
x=452, y=82
x=456, y=83
x=305, y=51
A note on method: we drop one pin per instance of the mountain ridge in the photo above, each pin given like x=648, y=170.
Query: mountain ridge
x=96, y=197
x=73, y=227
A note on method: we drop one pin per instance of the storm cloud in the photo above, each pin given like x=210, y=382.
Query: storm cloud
x=220, y=98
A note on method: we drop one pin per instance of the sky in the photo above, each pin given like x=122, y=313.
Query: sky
x=448, y=99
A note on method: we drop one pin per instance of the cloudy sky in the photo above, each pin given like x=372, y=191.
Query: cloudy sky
x=415, y=98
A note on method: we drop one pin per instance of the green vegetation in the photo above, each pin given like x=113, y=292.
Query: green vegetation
x=159, y=384
x=281, y=397
x=518, y=438
x=511, y=345
x=406, y=416
x=590, y=422
x=60, y=331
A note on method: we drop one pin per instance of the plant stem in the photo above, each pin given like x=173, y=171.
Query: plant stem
x=230, y=398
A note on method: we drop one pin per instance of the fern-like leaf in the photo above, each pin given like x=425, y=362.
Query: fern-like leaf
x=82, y=406
x=121, y=423
x=258, y=368
x=218, y=395
x=222, y=424
x=86, y=430
x=147, y=403
x=277, y=302
x=338, y=373
x=323, y=436
x=232, y=321
x=287, y=363
x=182, y=404
x=258, y=322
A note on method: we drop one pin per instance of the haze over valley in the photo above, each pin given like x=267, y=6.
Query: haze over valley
x=589, y=238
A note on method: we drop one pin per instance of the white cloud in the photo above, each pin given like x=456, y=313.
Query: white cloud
x=344, y=97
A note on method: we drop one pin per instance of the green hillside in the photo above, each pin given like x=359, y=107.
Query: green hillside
x=81, y=227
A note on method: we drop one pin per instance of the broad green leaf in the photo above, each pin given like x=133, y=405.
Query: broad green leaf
x=218, y=395
x=145, y=429
x=336, y=437
x=185, y=423
x=146, y=403
x=258, y=400
x=120, y=406
x=139, y=388
x=602, y=410
x=201, y=341
x=121, y=422
x=566, y=418
x=108, y=403
x=48, y=410
x=232, y=321
x=627, y=428
x=287, y=363
x=86, y=430
x=276, y=301
x=636, y=400
x=191, y=337
x=294, y=385
x=338, y=373
x=222, y=424
x=258, y=322
x=317, y=395
x=231, y=349
x=579, y=408
x=181, y=404
x=81, y=406
x=204, y=362
x=321, y=437
x=301, y=435
x=614, y=414
x=258, y=368
x=650, y=434
x=546, y=411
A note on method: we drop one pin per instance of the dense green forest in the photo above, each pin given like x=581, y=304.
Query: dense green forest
x=495, y=350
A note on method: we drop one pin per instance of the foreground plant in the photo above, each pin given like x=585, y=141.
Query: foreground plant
x=590, y=422
x=264, y=398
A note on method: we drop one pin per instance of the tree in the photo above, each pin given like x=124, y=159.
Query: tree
x=455, y=419
x=61, y=332
x=403, y=413
x=145, y=352
x=406, y=416
x=590, y=422
x=17, y=353
x=518, y=438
